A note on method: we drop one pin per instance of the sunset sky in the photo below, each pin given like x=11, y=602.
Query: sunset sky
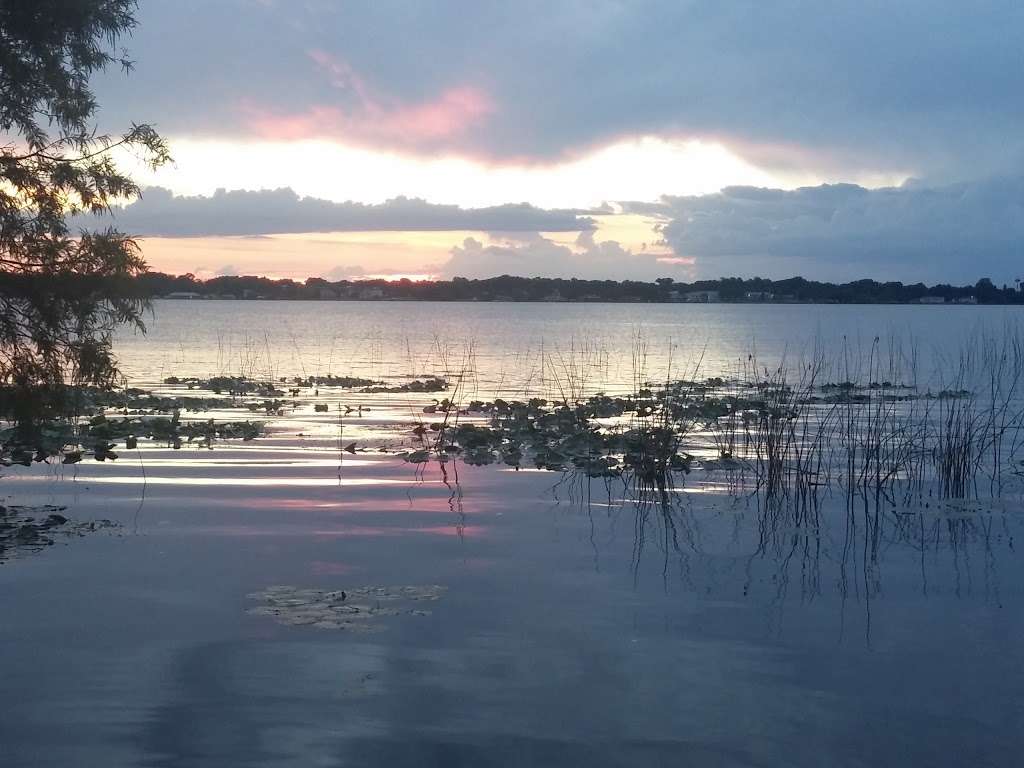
x=593, y=138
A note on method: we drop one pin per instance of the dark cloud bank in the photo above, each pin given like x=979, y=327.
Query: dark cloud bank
x=264, y=212
x=950, y=233
x=956, y=232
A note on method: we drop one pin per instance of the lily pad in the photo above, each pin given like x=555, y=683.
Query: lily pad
x=357, y=609
x=25, y=530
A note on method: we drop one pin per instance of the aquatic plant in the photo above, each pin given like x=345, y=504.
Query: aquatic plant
x=233, y=386
x=25, y=530
x=882, y=431
x=432, y=384
x=70, y=440
x=343, y=382
x=357, y=609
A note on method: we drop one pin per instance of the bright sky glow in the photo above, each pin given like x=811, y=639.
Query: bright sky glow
x=639, y=169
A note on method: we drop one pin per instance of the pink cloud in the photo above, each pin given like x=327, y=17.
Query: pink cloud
x=369, y=117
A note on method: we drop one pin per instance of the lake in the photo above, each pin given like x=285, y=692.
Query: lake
x=512, y=346
x=506, y=615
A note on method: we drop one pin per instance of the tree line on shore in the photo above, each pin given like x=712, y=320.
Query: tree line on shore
x=509, y=288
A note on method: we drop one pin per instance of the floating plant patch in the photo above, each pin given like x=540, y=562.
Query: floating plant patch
x=25, y=530
x=356, y=609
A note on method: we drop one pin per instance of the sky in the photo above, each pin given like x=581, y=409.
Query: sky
x=592, y=138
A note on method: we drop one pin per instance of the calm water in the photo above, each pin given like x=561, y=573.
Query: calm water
x=514, y=347
x=581, y=625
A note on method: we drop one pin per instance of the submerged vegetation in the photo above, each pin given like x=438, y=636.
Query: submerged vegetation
x=865, y=421
x=69, y=441
x=861, y=420
x=243, y=385
x=819, y=461
x=24, y=530
x=432, y=384
x=875, y=429
x=97, y=422
x=358, y=609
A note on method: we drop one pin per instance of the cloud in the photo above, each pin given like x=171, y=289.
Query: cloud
x=541, y=257
x=345, y=272
x=930, y=86
x=369, y=118
x=240, y=212
x=956, y=232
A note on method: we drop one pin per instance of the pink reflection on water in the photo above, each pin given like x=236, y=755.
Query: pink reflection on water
x=464, y=531
x=425, y=504
x=242, y=481
x=467, y=531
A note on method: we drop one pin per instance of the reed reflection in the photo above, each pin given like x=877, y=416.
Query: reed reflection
x=835, y=546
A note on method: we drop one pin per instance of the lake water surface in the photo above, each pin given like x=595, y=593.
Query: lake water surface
x=523, y=346
x=580, y=623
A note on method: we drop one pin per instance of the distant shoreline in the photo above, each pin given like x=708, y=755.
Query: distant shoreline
x=590, y=301
x=796, y=290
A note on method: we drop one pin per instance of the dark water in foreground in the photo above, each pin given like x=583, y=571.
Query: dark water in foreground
x=582, y=624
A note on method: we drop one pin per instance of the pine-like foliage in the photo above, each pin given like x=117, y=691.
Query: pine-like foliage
x=62, y=292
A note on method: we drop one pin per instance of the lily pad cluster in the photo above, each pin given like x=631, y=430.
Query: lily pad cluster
x=886, y=391
x=344, y=382
x=602, y=435
x=232, y=385
x=431, y=384
x=32, y=529
x=88, y=401
x=99, y=437
x=641, y=433
x=354, y=609
x=558, y=445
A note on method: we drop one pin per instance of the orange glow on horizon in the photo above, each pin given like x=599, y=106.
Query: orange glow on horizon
x=395, y=277
x=379, y=255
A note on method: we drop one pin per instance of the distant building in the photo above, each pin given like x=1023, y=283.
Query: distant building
x=702, y=297
x=759, y=295
x=328, y=293
x=183, y=295
x=371, y=292
x=932, y=300
x=966, y=300
x=554, y=296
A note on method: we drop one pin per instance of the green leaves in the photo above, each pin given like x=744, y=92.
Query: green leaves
x=62, y=294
